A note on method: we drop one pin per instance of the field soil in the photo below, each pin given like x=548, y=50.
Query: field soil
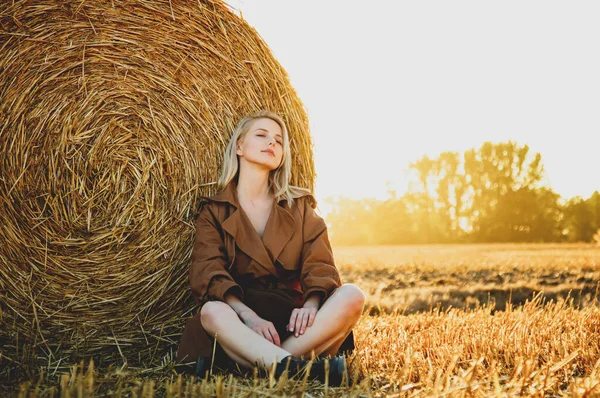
x=411, y=279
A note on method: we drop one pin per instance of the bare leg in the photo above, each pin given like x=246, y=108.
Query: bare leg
x=332, y=324
x=333, y=347
x=241, y=343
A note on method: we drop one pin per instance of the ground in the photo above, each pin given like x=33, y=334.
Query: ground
x=440, y=320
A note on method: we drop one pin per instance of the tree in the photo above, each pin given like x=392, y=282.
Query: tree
x=522, y=215
x=421, y=203
x=451, y=193
x=494, y=174
x=487, y=194
x=582, y=218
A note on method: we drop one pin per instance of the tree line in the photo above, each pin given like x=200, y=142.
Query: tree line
x=490, y=194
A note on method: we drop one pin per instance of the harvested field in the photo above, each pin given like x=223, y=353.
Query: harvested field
x=423, y=337
x=413, y=279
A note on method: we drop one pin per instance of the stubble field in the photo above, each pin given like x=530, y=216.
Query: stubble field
x=448, y=320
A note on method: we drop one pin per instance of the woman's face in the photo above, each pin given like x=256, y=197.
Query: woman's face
x=262, y=144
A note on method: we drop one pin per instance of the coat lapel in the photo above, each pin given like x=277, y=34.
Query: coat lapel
x=247, y=240
x=278, y=230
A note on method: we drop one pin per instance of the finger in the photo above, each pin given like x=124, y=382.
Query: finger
x=304, y=322
x=293, y=318
x=298, y=324
x=311, y=318
x=267, y=335
x=275, y=336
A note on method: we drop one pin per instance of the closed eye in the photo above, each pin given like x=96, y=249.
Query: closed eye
x=263, y=135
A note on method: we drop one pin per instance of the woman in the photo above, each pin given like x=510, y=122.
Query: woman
x=262, y=266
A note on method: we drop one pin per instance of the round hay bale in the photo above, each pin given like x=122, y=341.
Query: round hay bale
x=113, y=119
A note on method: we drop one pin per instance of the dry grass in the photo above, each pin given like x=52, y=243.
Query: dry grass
x=540, y=348
x=534, y=350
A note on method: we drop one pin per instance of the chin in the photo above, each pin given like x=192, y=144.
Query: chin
x=271, y=165
x=268, y=166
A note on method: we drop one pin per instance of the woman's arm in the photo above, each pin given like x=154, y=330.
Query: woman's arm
x=314, y=300
x=319, y=275
x=208, y=275
x=244, y=312
x=252, y=320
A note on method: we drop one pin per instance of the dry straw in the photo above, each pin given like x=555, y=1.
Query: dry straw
x=113, y=119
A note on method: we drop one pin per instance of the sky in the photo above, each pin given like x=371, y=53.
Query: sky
x=386, y=82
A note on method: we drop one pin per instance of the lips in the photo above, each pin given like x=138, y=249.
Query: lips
x=272, y=152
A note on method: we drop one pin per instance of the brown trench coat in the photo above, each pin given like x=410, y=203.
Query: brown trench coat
x=228, y=255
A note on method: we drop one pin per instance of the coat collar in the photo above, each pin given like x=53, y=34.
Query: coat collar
x=278, y=230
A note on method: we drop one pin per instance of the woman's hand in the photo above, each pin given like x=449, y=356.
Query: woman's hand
x=303, y=318
x=263, y=328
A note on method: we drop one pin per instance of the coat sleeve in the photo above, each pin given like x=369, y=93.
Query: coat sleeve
x=208, y=274
x=319, y=273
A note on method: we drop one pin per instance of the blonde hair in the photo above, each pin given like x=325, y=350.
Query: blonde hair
x=278, y=178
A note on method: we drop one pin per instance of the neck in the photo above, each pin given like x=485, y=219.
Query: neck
x=253, y=184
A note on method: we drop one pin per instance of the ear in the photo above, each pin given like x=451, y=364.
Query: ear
x=238, y=150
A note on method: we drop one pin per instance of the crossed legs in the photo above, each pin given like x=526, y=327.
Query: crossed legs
x=332, y=324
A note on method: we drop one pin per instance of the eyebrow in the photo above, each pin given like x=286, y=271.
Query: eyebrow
x=265, y=130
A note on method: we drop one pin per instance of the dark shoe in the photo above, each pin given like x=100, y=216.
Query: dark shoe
x=202, y=366
x=318, y=370
x=194, y=369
